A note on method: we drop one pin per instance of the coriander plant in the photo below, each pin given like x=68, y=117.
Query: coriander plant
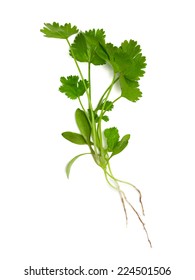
x=127, y=65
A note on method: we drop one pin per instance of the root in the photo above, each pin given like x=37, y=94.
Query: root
x=128, y=183
x=124, y=199
x=144, y=227
x=123, y=203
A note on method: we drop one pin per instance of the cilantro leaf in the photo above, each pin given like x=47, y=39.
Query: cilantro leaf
x=97, y=118
x=136, y=61
x=112, y=137
x=121, y=145
x=86, y=44
x=55, y=30
x=131, y=48
x=73, y=87
x=129, y=89
x=108, y=52
x=105, y=118
x=108, y=106
x=79, y=48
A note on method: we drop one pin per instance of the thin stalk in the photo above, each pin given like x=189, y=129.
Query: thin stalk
x=117, y=99
x=93, y=125
x=102, y=112
x=77, y=65
x=89, y=80
x=88, y=92
x=82, y=106
x=82, y=78
x=102, y=97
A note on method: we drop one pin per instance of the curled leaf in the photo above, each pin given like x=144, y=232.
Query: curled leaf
x=121, y=145
x=70, y=163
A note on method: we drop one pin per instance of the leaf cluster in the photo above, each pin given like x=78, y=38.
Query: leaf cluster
x=127, y=64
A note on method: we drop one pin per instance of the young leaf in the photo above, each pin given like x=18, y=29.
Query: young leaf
x=97, y=118
x=105, y=118
x=73, y=87
x=121, y=145
x=108, y=106
x=83, y=125
x=86, y=44
x=130, y=89
x=55, y=30
x=74, y=137
x=112, y=137
x=70, y=163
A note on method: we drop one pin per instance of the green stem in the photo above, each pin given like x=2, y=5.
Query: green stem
x=88, y=92
x=117, y=99
x=82, y=78
x=77, y=65
x=93, y=124
x=102, y=113
x=82, y=107
x=102, y=97
x=89, y=80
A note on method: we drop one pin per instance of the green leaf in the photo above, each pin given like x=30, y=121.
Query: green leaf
x=137, y=62
x=121, y=145
x=74, y=137
x=95, y=115
x=70, y=163
x=112, y=137
x=79, y=48
x=108, y=106
x=130, y=89
x=83, y=125
x=105, y=118
x=108, y=52
x=73, y=87
x=97, y=118
x=86, y=45
x=127, y=60
x=130, y=61
x=55, y=30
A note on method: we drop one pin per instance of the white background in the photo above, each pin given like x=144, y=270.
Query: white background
x=48, y=220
